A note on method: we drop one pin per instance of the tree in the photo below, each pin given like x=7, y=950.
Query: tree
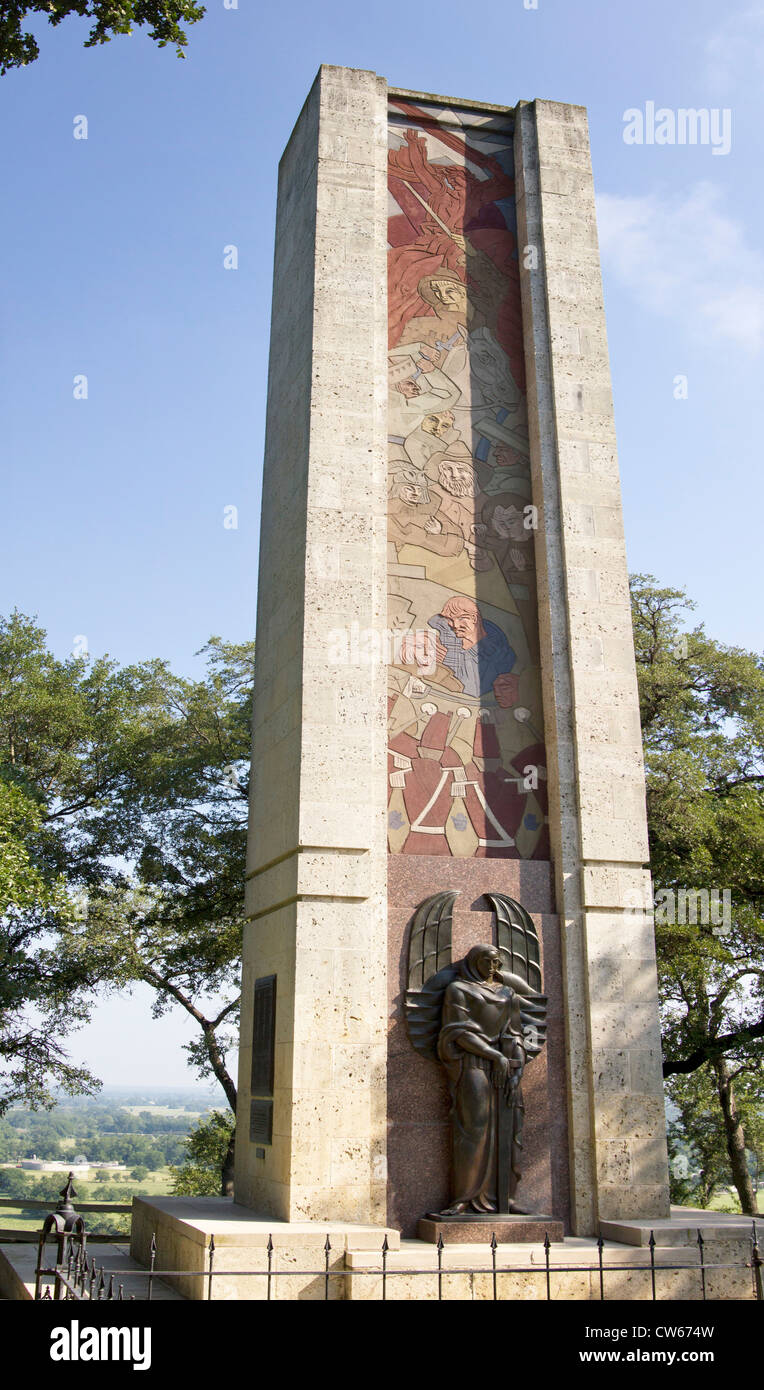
x=10, y=1148
x=64, y=742
x=40, y=997
x=207, y=1148
x=754, y=1136
x=19, y=47
x=140, y=780
x=698, y=1161
x=180, y=818
x=702, y=706
x=696, y=1132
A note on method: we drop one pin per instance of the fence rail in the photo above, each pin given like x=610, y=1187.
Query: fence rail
x=17, y=1235
x=34, y=1204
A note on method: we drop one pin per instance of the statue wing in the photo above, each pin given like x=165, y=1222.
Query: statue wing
x=430, y=971
x=517, y=939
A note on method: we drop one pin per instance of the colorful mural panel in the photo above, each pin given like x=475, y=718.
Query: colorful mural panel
x=467, y=769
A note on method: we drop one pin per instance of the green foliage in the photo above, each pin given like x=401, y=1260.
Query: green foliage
x=180, y=820
x=19, y=47
x=18, y=1184
x=206, y=1151
x=66, y=731
x=697, y=1135
x=40, y=1000
x=15, y=1182
x=702, y=710
x=702, y=707
x=134, y=787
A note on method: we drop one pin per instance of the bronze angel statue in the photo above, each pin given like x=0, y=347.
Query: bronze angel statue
x=484, y=1019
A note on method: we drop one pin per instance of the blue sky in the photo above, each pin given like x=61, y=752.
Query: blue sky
x=113, y=253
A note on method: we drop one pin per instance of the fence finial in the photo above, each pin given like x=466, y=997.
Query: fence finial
x=66, y=1207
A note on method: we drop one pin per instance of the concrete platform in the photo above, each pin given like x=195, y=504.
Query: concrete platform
x=19, y=1262
x=682, y=1228
x=184, y=1226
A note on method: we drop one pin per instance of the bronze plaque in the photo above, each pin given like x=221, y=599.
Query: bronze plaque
x=260, y=1122
x=263, y=1036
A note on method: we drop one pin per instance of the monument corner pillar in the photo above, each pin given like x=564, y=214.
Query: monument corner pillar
x=598, y=827
x=312, y=1078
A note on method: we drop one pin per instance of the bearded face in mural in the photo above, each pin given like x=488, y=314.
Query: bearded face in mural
x=458, y=478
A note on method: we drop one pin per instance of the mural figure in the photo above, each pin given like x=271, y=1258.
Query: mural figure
x=445, y=294
x=477, y=652
x=413, y=515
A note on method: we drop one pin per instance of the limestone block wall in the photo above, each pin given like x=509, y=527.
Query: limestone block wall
x=596, y=779
x=316, y=858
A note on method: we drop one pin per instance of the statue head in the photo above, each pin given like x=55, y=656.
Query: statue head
x=483, y=963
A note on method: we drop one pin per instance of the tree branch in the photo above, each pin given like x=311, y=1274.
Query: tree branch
x=713, y=1047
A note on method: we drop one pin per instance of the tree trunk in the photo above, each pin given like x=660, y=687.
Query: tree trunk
x=226, y=1179
x=735, y=1137
x=216, y=1058
x=217, y=1064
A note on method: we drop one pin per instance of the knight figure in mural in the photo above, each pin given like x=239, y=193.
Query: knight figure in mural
x=484, y=1019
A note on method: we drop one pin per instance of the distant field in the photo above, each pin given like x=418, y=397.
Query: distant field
x=156, y=1184
x=152, y=1109
x=94, y=1224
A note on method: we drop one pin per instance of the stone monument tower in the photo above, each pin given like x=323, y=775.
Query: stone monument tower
x=446, y=698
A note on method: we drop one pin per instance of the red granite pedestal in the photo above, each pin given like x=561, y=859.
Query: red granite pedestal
x=419, y=1143
x=508, y=1229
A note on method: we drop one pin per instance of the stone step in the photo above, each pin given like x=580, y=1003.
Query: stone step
x=19, y=1262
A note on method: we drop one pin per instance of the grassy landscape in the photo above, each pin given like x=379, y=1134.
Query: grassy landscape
x=725, y=1199
x=146, y=1133
x=156, y=1184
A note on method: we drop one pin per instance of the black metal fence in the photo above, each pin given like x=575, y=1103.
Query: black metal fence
x=77, y=1276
